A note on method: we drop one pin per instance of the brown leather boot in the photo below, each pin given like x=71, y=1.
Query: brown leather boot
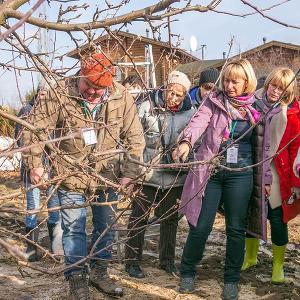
x=100, y=279
x=78, y=285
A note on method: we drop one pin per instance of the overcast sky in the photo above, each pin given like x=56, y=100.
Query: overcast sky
x=212, y=29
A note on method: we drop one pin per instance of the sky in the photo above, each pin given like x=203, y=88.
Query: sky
x=215, y=30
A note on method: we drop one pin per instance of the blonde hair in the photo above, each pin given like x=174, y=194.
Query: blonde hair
x=282, y=77
x=241, y=68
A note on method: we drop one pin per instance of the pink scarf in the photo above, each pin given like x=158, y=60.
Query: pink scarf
x=234, y=106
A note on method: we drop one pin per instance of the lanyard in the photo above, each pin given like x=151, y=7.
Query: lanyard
x=88, y=112
x=232, y=128
x=92, y=113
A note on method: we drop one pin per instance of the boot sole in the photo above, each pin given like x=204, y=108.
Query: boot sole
x=71, y=297
x=141, y=276
x=237, y=297
x=136, y=277
x=186, y=291
x=249, y=267
x=278, y=282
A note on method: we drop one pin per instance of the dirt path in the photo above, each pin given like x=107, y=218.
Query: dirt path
x=26, y=284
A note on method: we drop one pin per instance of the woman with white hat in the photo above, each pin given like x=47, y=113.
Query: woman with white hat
x=164, y=114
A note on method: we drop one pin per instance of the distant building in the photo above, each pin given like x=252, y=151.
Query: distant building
x=131, y=47
x=263, y=58
x=193, y=69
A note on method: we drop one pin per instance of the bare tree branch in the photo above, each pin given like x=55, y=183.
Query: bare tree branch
x=258, y=10
x=22, y=21
x=142, y=13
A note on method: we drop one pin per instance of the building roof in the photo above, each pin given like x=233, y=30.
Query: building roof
x=260, y=48
x=273, y=43
x=194, y=68
x=75, y=53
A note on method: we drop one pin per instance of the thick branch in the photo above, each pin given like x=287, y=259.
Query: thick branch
x=13, y=250
x=22, y=21
x=9, y=4
x=142, y=13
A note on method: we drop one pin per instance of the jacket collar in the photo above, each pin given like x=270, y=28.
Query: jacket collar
x=218, y=99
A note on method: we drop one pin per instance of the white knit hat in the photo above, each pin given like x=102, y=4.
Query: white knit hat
x=180, y=78
x=44, y=85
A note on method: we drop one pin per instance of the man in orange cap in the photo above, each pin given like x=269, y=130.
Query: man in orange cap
x=106, y=115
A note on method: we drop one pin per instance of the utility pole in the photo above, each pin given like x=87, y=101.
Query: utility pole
x=170, y=67
x=203, y=51
x=43, y=42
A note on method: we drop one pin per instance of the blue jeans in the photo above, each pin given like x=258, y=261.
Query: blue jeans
x=74, y=237
x=33, y=202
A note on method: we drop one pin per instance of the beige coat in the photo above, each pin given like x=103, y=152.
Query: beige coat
x=277, y=128
x=116, y=125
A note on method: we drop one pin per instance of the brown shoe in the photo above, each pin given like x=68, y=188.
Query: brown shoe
x=79, y=289
x=100, y=279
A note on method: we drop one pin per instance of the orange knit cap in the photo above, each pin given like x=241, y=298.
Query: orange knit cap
x=98, y=70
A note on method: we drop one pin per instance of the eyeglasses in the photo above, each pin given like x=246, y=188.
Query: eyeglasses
x=276, y=87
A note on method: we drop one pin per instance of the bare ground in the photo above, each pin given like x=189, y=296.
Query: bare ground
x=24, y=283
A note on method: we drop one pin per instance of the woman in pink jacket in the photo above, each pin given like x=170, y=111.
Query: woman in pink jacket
x=224, y=116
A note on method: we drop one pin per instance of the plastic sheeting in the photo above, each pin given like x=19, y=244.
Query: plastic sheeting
x=12, y=162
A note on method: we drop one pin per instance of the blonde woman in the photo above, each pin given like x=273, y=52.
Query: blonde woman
x=282, y=126
x=223, y=117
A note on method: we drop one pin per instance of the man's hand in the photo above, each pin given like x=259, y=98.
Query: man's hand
x=37, y=175
x=181, y=153
x=125, y=183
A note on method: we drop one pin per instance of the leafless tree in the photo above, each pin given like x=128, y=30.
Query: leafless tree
x=19, y=35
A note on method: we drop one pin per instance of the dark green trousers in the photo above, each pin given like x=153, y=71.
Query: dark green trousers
x=234, y=190
x=279, y=230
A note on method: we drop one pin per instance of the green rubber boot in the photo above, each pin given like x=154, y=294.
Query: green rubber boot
x=278, y=260
x=250, y=259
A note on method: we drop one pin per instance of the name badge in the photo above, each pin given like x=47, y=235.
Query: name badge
x=232, y=154
x=89, y=136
